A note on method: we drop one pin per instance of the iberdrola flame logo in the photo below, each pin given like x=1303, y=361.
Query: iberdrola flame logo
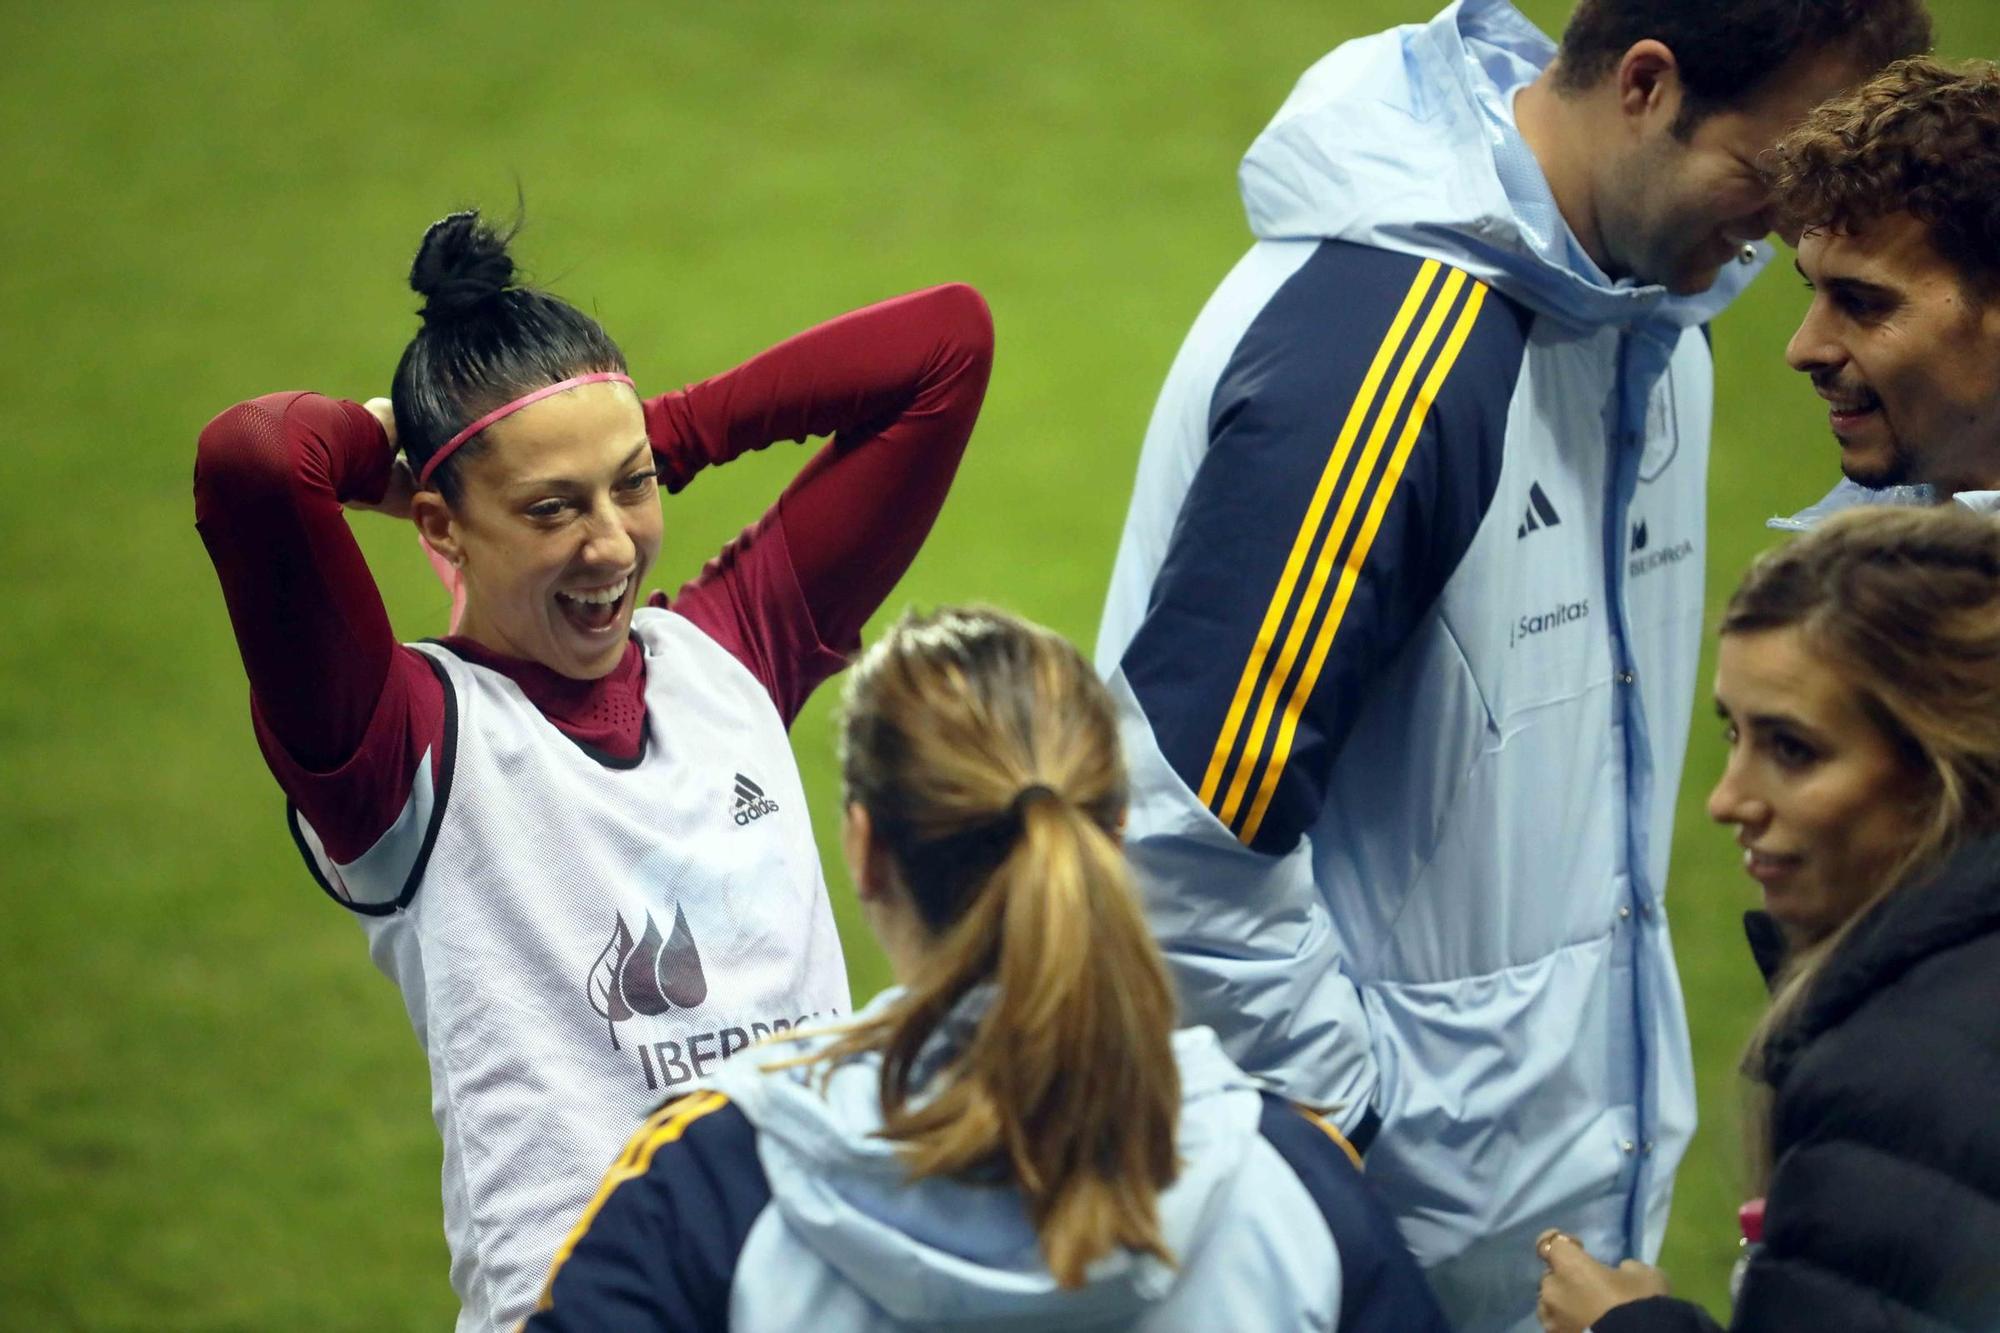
x=649, y=977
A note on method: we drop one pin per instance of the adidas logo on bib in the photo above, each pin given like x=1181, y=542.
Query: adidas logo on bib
x=751, y=802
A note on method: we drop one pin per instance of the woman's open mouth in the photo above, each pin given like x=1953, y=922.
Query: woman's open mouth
x=594, y=611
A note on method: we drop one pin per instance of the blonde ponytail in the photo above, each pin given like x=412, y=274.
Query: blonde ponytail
x=985, y=751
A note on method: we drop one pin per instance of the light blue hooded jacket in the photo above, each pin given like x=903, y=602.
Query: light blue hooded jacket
x=769, y=1202
x=1403, y=630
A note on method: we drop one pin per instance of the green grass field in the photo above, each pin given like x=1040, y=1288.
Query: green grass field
x=212, y=1112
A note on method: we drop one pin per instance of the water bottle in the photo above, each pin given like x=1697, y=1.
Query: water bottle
x=1750, y=1217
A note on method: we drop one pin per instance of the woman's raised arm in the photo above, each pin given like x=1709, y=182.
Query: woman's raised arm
x=898, y=385
x=270, y=478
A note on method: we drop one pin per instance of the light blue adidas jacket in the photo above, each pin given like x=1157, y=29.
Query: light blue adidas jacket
x=1403, y=629
x=768, y=1202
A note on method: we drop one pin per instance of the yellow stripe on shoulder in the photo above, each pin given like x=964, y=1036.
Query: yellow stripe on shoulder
x=1302, y=544
x=1327, y=1127
x=664, y=1126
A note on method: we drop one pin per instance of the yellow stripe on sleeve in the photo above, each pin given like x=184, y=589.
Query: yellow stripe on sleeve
x=1357, y=415
x=1327, y=1127
x=1336, y=537
x=664, y=1126
x=1351, y=572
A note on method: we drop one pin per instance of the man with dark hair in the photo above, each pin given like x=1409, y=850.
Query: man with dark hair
x=1672, y=208
x=1893, y=191
x=1726, y=51
x=1405, y=619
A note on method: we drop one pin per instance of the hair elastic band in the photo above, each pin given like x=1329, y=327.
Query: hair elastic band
x=1032, y=792
x=509, y=409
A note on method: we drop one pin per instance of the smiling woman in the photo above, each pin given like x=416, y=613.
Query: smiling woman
x=573, y=767
x=1859, y=684
x=531, y=450
x=1824, y=799
x=554, y=526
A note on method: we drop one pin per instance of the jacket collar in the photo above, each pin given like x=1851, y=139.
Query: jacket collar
x=1767, y=945
x=1406, y=141
x=1850, y=495
x=1961, y=901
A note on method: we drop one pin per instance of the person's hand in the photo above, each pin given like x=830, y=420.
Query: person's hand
x=395, y=501
x=1577, y=1290
x=384, y=411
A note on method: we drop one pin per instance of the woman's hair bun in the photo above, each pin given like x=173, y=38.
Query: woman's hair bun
x=461, y=265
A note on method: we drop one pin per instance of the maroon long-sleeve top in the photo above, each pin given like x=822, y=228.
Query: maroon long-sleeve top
x=345, y=714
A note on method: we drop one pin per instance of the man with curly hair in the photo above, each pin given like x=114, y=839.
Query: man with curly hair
x=1891, y=191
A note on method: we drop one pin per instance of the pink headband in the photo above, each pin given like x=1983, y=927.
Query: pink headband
x=508, y=410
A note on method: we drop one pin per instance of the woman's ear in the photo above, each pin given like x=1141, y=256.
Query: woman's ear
x=858, y=848
x=437, y=526
x=885, y=903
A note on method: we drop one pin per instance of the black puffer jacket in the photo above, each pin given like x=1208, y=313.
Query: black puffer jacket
x=1884, y=1206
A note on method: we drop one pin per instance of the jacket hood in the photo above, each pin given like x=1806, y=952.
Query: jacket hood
x=1405, y=140
x=945, y=1253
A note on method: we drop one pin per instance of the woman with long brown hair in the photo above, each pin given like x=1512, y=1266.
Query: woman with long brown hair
x=1015, y=1136
x=1859, y=681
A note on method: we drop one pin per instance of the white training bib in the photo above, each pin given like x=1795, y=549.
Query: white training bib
x=578, y=937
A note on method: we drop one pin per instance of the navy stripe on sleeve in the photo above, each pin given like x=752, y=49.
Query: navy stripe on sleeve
x=659, y=1253
x=1381, y=1290
x=1355, y=441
